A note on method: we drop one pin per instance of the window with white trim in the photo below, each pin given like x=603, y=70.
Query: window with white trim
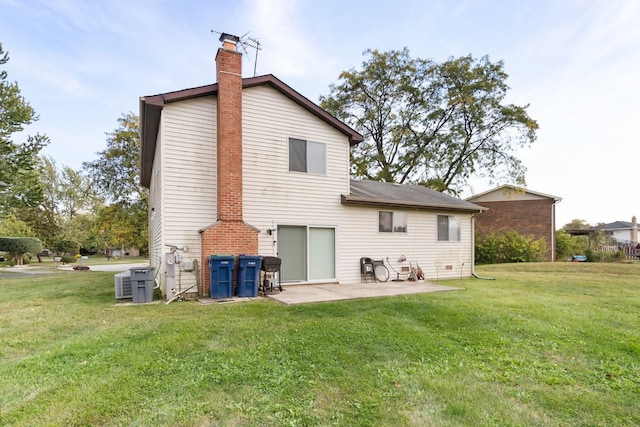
x=392, y=222
x=448, y=228
x=307, y=156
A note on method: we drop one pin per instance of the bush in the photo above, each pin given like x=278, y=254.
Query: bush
x=566, y=245
x=506, y=247
x=598, y=256
x=68, y=259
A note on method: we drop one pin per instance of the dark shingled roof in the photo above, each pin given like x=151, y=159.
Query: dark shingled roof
x=373, y=193
x=617, y=225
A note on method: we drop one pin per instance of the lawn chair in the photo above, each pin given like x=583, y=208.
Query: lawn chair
x=366, y=269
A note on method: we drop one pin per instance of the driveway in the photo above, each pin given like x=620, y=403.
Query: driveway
x=36, y=269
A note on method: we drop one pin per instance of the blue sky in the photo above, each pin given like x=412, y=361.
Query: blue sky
x=83, y=63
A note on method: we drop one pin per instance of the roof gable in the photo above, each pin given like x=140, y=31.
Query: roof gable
x=510, y=193
x=151, y=110
x=374, y=193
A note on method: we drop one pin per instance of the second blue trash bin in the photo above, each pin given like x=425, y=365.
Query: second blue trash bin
x=249, y=275
x=221, y=275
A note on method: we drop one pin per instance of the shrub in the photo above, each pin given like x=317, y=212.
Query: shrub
x=601, y=256
x=509, y=247
x=566, y=245
x=68, y=259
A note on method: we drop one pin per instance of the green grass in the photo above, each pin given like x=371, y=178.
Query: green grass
x=542, y=345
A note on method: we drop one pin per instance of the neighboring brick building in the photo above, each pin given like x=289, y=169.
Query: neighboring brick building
x=526, y=212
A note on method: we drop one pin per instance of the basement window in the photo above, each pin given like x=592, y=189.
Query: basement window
x=307, y=156
x=392, y=222
x=448, y=228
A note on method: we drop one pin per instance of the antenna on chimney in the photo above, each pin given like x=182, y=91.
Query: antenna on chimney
x=245, y=42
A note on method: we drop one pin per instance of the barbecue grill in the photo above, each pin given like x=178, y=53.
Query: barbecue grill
x=270, y=266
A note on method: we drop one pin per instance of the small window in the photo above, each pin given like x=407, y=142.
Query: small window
x=306, y=156
x=448, y=228
x=392, y=222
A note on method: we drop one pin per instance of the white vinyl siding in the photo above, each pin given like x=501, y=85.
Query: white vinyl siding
x=187, y=200
x=419, y=244
x=273, y=196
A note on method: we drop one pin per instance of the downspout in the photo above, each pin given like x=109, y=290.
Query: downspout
x=473, y=244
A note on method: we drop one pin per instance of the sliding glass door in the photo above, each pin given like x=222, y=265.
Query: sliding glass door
x=307, y=253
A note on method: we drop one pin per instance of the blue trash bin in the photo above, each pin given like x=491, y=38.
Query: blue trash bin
x=249, y=275
x=221, y=275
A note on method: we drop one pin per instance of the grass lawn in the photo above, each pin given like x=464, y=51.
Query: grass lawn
x=542, y=345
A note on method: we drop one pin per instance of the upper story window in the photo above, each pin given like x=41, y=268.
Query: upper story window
x=307, y=156
x=448, y=228
x=392, y=222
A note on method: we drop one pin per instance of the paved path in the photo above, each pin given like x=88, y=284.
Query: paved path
x=36, y=269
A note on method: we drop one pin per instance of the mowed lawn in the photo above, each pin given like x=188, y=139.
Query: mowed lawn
x=542, y=345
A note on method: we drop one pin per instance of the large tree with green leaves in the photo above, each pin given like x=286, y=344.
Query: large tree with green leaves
x=116, y=172
x=19, y=183
x=115, y=175
x=435, y=124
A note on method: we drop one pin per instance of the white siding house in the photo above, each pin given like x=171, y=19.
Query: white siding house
x=296, y=199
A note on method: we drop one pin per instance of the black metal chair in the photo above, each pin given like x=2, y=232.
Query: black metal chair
x=366, y=269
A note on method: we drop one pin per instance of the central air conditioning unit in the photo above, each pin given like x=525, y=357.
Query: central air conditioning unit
x=123, y=285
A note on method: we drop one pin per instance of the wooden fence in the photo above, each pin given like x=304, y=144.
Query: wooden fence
x=630, y=252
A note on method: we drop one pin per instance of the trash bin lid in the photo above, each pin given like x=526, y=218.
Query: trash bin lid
x=142, y=269
x=221, y=257
x=251, y=257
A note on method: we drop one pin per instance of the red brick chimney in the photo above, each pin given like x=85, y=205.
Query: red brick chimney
x=229, y=235
x=229, y=129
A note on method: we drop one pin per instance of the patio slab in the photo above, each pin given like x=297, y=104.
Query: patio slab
x=304, y=294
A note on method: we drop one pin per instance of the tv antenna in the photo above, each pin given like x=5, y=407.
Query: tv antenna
x=246, y=41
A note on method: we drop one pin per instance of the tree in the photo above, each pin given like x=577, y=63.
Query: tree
x=116, y=177
x=10, y=226
x=116, y=171
x=431, y=124
x=18, y=246
x=577, y=224
x=120, y=226
x=18, y=162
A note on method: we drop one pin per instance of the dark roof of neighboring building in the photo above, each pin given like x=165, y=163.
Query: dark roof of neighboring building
x=617, y=225
x=151, y=108
x=374, y=193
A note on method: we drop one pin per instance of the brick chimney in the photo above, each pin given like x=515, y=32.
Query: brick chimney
x=229, y=129
x=229, y=235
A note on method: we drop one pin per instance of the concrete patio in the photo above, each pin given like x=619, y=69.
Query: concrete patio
x=303, y=294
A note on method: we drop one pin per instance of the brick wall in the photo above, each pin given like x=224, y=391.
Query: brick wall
x=230, y=235
x=526, y=217
x=229, y=136
x=226, y=238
